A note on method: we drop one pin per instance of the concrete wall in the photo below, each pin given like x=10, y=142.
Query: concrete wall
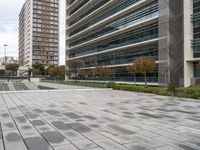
x=188, y=36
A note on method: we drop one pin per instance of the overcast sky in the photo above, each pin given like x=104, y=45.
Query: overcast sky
x=9, y=10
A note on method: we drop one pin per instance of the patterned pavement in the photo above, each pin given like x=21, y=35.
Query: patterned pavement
x=97, y=120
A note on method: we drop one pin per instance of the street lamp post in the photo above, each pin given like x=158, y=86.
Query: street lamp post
x=5, y=60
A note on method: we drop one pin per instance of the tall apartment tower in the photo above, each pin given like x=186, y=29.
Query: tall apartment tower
x=116, y=32
x=39, y=32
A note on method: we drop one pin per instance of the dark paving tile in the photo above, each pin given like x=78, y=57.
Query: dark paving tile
x=26, y=127
x=121, y=130
x=197, y=143
x=194, y=119
x=150, y=115
x=137, y=146
x=126, y=102
x=53, y=137
x=5, y=115
x=38, y=122
x=79, y=127
x=22, y=106
x=10, y=125
x=72, y=115
x=13, y=137
x=31, y=116
x=128, y=113
x=128, y=116
x=82, y=103
x=185, y=112
x=163, y=109
x=90, y=117
x=38, y=110
x=94, y=126
x=21, y=119
x=60, y=125
x=37, y=143
x=52, y=112
x=186, y=147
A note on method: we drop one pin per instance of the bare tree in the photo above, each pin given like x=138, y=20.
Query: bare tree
x=75, y=66
x=131, y=69
x=104, y=71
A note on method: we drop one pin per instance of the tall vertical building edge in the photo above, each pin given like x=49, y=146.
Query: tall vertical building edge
x=39, y=33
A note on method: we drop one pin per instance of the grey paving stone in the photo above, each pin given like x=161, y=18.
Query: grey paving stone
x=155, y=116
x=55, y=138
x=72, y=135
x=116, y=137
x=72, y=115
x=137, y=146
x=148, y=141
x=1, y=145
x=38, y=110
x=8, y=126
x=166, y=148
x=111, y=119
x=13, y=140
x=79, y=127
x=186, y=147
x=11, y=136
x=84, y=144
x=60, y=125
x=52, y=112
x=31, y=116
x=21, y=119
x=98, y=148
x=93, y=135
x=38, y=122
x=17, y=145
x=37, y=143
x=1, y=139
x=121, y=130
x=195, y=142
x=110, y=145
x=65, y=147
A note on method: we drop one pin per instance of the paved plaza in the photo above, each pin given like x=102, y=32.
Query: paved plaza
x=89, y=119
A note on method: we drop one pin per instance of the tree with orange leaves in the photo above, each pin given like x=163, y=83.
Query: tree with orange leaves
x=144, y=65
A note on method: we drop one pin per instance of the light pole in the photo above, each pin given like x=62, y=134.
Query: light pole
x=5, y=60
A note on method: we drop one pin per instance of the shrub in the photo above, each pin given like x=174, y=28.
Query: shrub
x=172, y=87
x=110, y=84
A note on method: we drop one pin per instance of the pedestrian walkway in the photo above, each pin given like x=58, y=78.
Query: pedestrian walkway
x=89, y=119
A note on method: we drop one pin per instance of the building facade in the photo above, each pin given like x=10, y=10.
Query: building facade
x=39, y=32
x=116, y=32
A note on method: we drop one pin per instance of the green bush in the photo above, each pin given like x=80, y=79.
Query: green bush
x=193, y=93
x=110, y=84
x=172, y=87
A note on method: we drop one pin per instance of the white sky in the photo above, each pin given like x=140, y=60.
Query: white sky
x=9, y=10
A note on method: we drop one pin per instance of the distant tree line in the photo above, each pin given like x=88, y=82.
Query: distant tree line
x=55, y=72
x=141, y=65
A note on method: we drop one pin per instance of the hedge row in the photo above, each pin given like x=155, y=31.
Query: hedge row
x=193, y=93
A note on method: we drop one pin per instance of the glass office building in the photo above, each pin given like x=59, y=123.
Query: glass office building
x=196, y=31
x=116, y=32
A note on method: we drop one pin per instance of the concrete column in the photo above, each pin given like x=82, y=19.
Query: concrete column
x=188, y=36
